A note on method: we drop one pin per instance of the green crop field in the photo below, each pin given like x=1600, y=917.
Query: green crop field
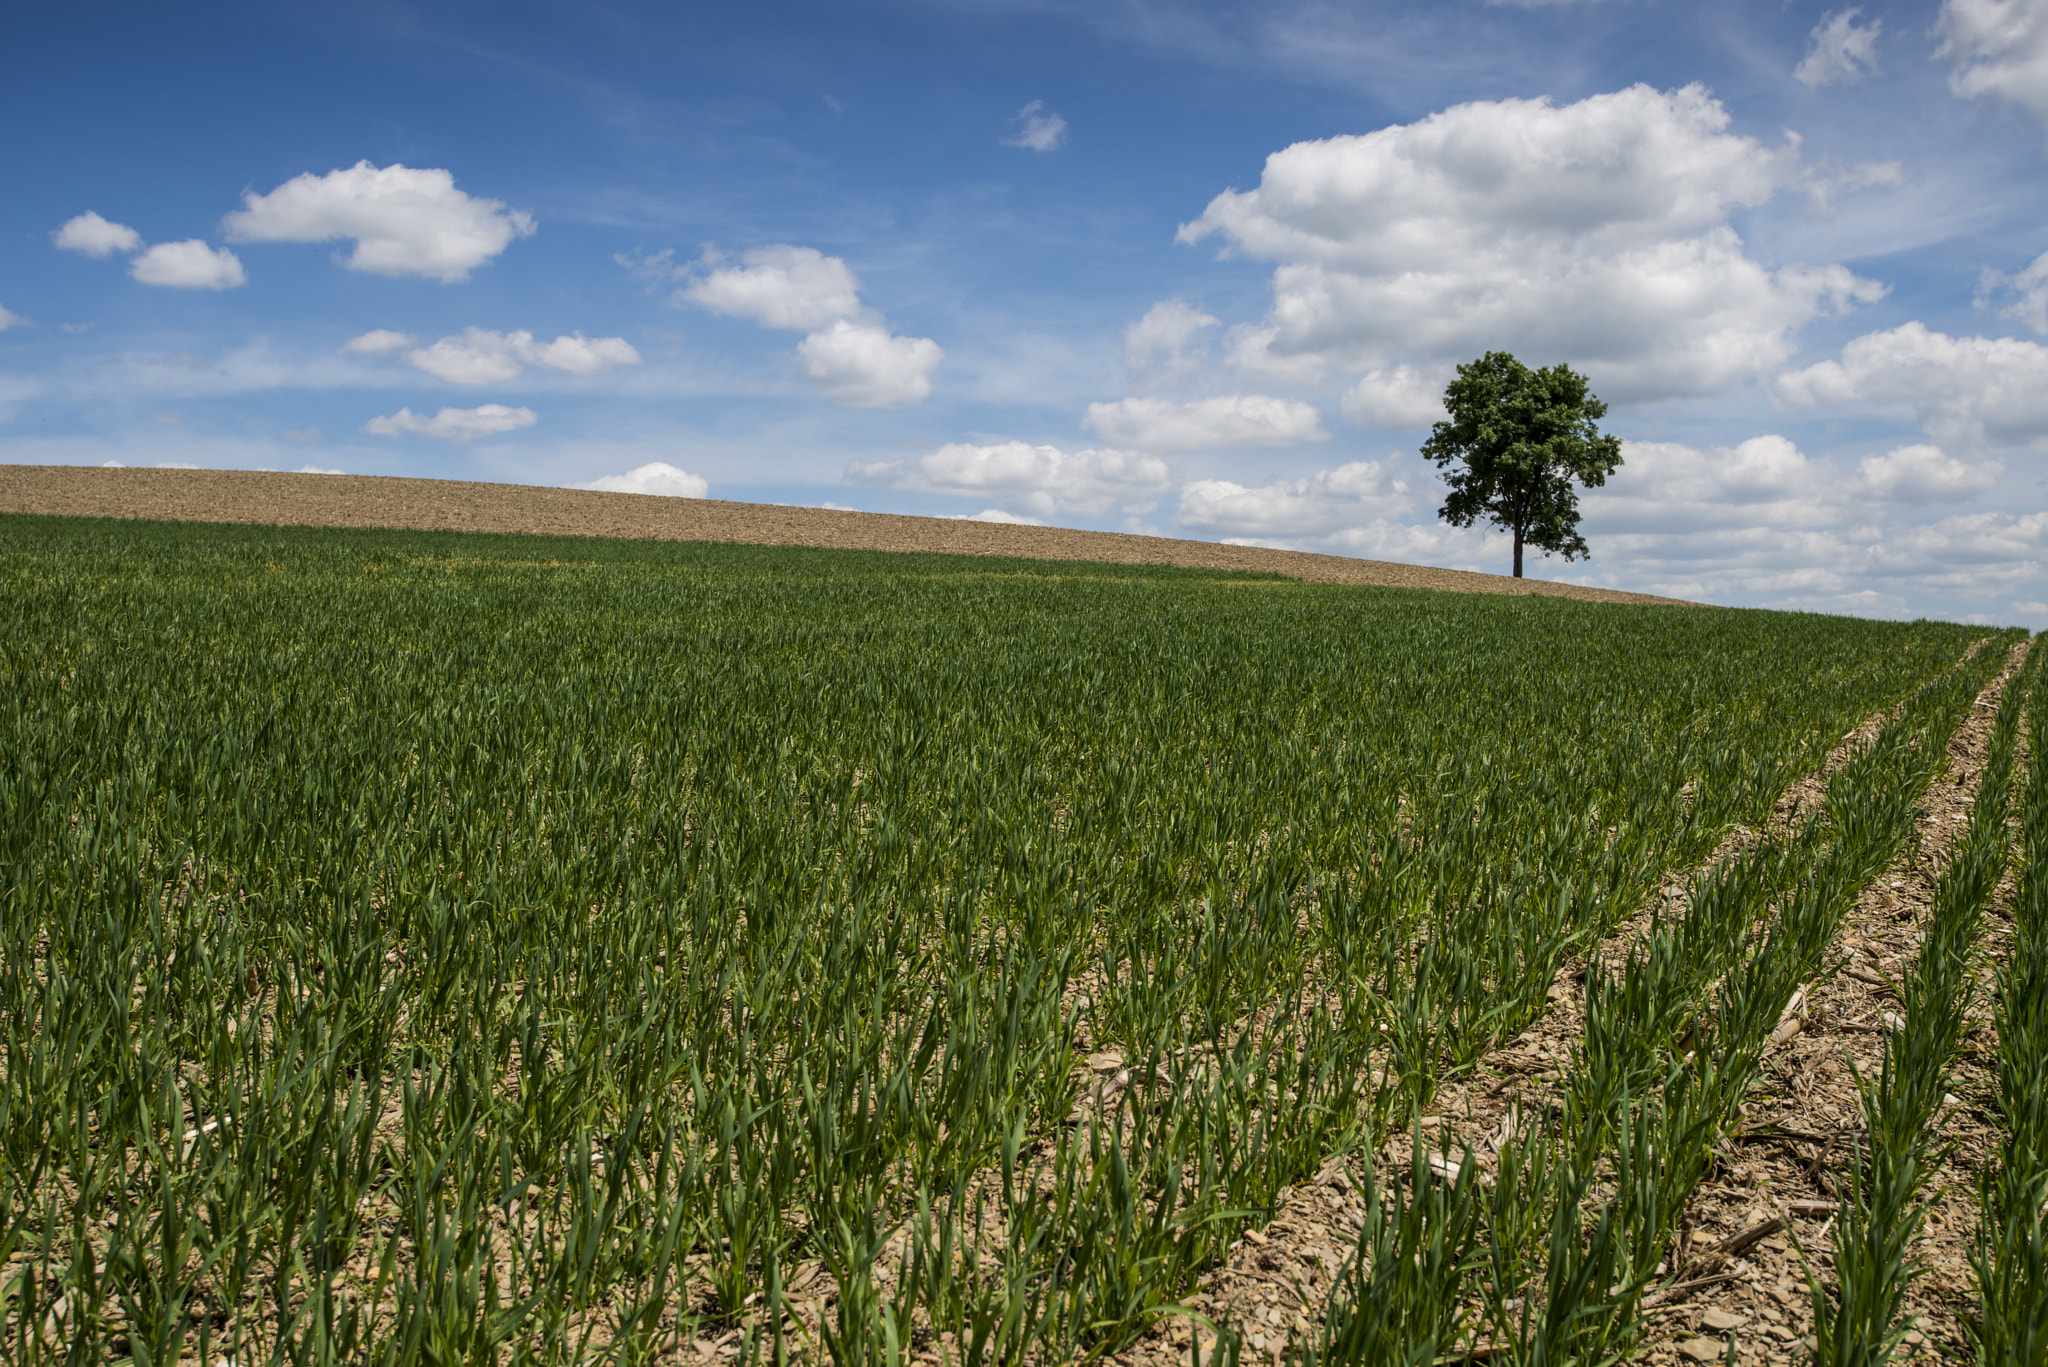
x=454, y=948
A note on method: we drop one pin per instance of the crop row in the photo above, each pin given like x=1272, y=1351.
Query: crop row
x=2011, y=1255
x=1552, y=1255
x=424, y=948
x=1882, y=1214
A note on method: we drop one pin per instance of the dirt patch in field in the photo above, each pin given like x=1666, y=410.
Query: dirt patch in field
x=244, y=496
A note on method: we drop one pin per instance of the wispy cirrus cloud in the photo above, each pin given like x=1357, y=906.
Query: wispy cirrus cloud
x=1039, y=129
x=1840, y=51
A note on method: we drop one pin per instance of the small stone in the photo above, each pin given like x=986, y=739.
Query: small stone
x=1913, y=1338
x=1259, y=1342
x=1704, y=1350
x=1718, y=1318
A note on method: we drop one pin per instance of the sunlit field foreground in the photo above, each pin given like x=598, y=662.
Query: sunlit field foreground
x=459, y=948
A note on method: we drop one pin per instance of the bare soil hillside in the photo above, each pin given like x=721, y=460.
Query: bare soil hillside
x=453, y=505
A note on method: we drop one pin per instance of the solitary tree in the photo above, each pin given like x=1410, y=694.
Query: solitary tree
x=1517, y=439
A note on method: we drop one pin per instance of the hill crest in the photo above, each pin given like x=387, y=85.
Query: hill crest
x=262, y=497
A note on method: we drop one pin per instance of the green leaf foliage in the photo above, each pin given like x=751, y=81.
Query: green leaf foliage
x=1515, y=443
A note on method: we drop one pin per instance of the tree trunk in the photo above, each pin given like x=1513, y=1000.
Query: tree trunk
x=1518, y=552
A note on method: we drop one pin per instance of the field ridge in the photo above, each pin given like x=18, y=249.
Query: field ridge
x=386, y=501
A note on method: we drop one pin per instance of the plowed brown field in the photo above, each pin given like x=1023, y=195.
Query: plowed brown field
x=453, y=505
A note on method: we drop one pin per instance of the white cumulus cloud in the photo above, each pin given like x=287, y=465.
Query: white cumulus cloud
x=188, y=265
x=1165, y=330
x=996, y=515
x=1034, y=481
x=404, y=220
x=480, y=356
x=1358, y=509
x=1040, y=129
x=1227, y=421
x=864, y=366
x=1759, y=521
x=454, y=424
x=9, y=319
x=1762, y=522
x=1921, y=473
x=1398, y=399
x=1840, y=51
x=656, y=477
x=378, y=342
x=1668, y=488
x=475, y=357
x=1767, y=482
x=1351, y=496
x=577, y=354
x=849, y=356
x=1594, y=232
x=1997, y=48
x=799, y=289
x=1969, y=393
x=90, y=235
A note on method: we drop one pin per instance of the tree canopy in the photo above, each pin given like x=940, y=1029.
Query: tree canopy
x=1514, y=444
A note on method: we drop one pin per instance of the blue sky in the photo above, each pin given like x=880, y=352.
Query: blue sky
x=1198, y=270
